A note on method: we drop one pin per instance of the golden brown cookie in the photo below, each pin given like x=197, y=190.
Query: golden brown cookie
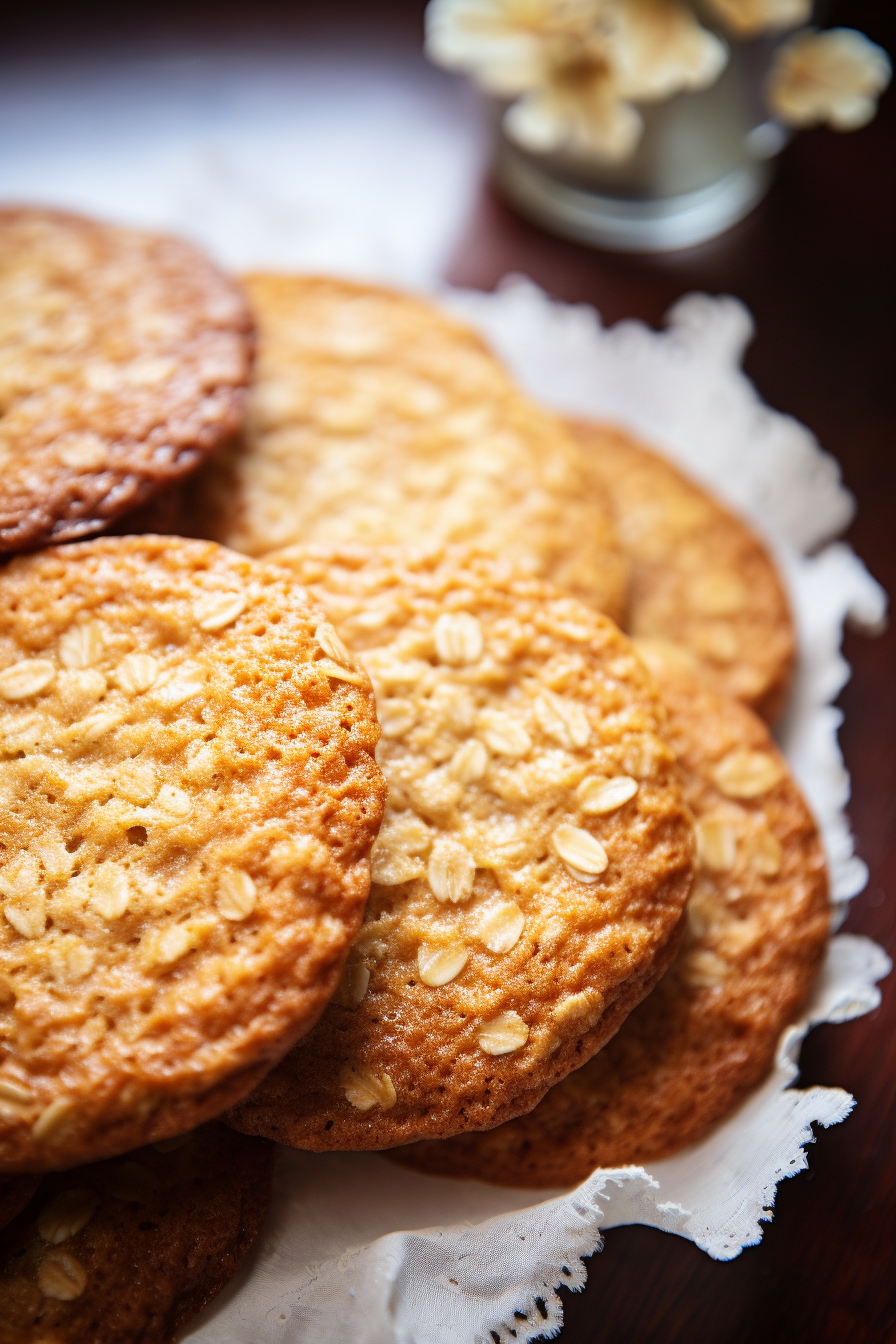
x=533, y=865
x=124, y=358
x=129, y=1250
x=758, y=922
x=376, y=419
x=188, y=797
x=699, y=575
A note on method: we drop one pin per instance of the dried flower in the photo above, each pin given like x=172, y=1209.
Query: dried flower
x=575, y=66
x=499, y=43
x=834, y=77
x=578, y=110
x=660, y=49
x=745, y=18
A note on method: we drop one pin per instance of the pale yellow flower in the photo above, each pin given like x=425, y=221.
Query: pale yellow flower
x=832, y=77
x=575, y=66
x=659, y=49
x=579, y=111
x=748, y=17
x=499, y=43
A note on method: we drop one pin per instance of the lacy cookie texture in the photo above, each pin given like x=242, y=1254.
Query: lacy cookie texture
x=700, y=577
x=758, y=921
x=188, y=797
x=131, y=1249
x=124, y=359
x=376, y=419
x=530, y=876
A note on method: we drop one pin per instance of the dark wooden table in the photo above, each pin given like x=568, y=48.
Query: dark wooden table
x=815, y=264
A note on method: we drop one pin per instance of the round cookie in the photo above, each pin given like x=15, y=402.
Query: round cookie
x=376, y=419
x=758, y=920
x=699, y=575
x=188, y=798
x=531, y=872
x=128, y=1250
x=124, y=359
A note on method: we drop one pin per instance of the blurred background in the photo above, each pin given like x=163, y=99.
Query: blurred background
x=319, y=137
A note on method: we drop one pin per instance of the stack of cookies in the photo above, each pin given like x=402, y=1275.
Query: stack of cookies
x=339, y=811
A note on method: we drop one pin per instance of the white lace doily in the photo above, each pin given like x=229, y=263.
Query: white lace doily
x=358, y=1248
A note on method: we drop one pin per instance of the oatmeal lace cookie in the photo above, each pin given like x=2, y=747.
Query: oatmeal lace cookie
x=376, y=419
x=699, y=575
x=130, y=1250
x=124, y=358
x=188, y=797
x=758, y=920
x=532, y=868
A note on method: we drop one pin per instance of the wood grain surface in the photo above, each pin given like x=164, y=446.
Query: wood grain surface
x=815, y=264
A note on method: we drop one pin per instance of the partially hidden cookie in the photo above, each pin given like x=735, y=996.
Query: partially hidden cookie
x=188, y=797
x=531, y=872
x=127, y=1251
x=124, y=358
x=758, y=921
x=375, y=418
x=699, y=575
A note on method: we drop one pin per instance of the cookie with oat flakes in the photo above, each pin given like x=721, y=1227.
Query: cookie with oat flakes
x=188, y=797
x=699, y=575
x=128, y=1250
x=758, y=921
x=124, y=359
x=531, y=873
x=375, y=418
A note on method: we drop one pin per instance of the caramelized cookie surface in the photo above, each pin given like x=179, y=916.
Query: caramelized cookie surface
x=758, y=921
x=124, y=359
x=376, y=419
x=530, y=875
x=189, y=797
x=700, y=577
x=130, y=1250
